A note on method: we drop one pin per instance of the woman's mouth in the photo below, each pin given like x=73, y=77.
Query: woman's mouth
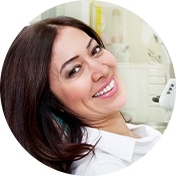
x=107, y=91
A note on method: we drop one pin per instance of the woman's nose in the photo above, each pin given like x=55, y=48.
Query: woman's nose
x=99, y=70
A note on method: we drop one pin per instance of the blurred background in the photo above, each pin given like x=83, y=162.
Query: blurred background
x=142, y=58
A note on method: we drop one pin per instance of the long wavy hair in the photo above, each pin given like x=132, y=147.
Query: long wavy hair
x=34, y=114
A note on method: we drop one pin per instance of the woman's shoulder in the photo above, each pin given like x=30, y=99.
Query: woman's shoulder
x=97, y=163
x=112, y=152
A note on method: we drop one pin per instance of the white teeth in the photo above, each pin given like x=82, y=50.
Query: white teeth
x=112, y=83
x=106, y=89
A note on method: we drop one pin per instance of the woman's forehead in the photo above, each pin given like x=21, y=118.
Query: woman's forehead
x=70, y=39
x=70, y=42
x=71, y=32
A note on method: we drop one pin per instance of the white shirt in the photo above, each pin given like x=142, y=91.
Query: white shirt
x=114, y=152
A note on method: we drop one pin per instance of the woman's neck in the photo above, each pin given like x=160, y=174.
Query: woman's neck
x=116, y=124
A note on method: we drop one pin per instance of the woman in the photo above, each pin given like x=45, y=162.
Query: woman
x=61, y=95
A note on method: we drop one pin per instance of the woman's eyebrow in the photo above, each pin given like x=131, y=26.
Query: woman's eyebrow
x=68, y=62
x=90, y=41
x=75, y=57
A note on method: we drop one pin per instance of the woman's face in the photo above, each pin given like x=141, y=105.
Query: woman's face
x=84, y=76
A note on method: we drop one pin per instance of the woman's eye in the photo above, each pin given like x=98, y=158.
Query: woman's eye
x=73, y=71
x=96, y=50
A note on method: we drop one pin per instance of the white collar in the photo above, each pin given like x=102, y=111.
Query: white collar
x=118, y=145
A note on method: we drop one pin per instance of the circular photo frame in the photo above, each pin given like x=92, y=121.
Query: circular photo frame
x=142, y=60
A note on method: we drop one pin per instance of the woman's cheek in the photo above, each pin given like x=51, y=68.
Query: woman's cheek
x=77, y=92
x=110, y=57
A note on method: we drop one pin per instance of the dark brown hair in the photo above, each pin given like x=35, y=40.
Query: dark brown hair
x=32, y=111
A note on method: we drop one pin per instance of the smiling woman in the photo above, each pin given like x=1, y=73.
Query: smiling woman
x=90, y=70
x=62, y=95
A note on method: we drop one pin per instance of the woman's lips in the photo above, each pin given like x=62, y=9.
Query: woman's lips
x=107, y=90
